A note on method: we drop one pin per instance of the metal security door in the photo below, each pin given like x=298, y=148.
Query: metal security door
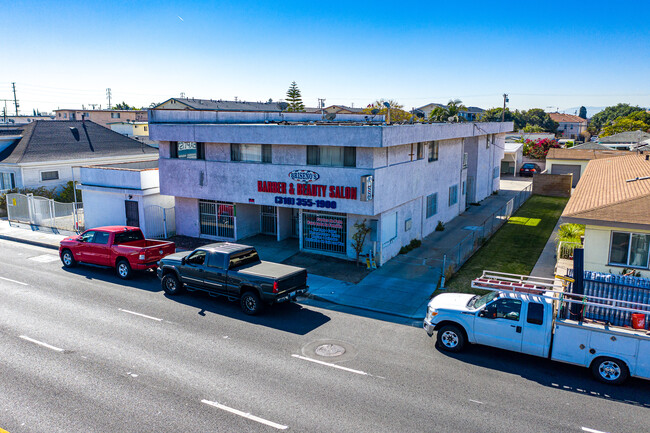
x=132, y=213
x=269, y=220
x=471, y=190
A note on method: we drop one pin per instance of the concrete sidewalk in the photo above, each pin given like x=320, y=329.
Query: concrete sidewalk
x=30, y=234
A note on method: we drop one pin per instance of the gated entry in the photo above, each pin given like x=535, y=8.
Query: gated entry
x=269, y=220
x=44, y=212
x=324, y=231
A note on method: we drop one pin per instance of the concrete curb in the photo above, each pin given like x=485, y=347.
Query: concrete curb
x=374, y=310
x=30, y=242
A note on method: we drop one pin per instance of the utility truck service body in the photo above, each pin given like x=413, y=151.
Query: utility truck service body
x=529, y=315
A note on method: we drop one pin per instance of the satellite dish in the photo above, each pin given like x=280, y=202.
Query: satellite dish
x=283, y=106
x=330, y=116
x=375, y=111
x=386, y=104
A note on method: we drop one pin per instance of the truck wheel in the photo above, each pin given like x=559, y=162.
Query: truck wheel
x=68, y=259
x=250, y=303
x=124, y=269
x=171, y=285
x=610, y=370
x=451, y=338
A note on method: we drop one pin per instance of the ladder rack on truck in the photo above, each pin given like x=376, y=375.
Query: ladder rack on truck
x=548, y=288
x=533, y=315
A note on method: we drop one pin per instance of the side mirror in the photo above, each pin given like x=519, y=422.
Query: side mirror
x=482, y=313
x=183, y=261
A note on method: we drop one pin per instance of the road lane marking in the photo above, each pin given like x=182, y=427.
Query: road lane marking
x=45, y=258
x=245, y=415
x=475, y=401
x=590, y=430
x=363, y=373
x=141, y=315
x=14, y=281
x=40, y=343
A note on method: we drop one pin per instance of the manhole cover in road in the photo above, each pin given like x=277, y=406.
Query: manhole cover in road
x=330, y=350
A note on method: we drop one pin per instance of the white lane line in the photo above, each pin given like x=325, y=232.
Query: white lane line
x=245, y=415
x=40, y=343
x=332, y=365
x=475, y=401
x=13, y=281
x=141, y=315
x=590, y=430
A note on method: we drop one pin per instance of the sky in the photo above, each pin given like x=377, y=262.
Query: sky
x=546, y=55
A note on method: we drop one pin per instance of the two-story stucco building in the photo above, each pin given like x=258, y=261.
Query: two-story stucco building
x=235, y=175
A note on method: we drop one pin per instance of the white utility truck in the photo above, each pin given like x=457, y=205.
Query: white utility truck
x=533, y=315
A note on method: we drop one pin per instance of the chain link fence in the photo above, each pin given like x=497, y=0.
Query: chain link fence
x=45, y=212
x=448, y=262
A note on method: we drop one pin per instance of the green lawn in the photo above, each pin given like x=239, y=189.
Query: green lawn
x=516, y=246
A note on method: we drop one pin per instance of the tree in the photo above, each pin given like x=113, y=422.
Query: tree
x=397, y=113
x=123, y=106
x=623, y=124
x=533, y=128
x=294, y=98
x=359, y=237
x=449, y=113
x=522, y=119
x=583, y=112
x=609, y=114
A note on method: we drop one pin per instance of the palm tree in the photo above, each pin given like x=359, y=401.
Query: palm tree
x=450, y=113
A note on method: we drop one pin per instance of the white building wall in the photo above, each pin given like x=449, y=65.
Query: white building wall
x=187, y=217
x=104, y=208
x=248, y=220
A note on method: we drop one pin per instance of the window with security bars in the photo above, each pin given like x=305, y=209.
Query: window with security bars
x=217, y=218
x=49, y=175
x=432, y=205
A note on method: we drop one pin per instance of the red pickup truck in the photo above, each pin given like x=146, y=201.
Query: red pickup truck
x=119, y=247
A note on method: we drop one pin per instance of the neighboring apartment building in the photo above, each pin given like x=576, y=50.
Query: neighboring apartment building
x=102, y=117
x=44, y=153
x=130, y=129
x=613, y=201
x=293, y=175
x=217, y=105
x=570, y=126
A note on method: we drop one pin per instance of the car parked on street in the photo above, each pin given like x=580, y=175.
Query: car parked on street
x=121, y=247
x=234, y=271
x=529, y=168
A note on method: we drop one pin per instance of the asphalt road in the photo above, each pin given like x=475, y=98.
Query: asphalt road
x=82, y=351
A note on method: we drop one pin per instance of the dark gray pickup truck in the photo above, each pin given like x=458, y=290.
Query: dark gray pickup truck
x=234, y=271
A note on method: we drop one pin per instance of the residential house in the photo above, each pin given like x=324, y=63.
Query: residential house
x=217, y=105
x=235, y=175
x=612, y=200
x=574, y=160
x=342, y=109
x=570, y=126
x=628, y=140
x=131, y=129
x=44, y=153
x=102, y=117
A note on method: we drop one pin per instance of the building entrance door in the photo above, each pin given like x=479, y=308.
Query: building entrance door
x=132, y=213
x=471, y=190
x=295, y=220
x=269, y=220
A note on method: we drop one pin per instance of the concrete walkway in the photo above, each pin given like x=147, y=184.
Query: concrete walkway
x=34, y=235
x=545, y=266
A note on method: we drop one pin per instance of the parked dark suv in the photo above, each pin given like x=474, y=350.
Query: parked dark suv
x=529, y=168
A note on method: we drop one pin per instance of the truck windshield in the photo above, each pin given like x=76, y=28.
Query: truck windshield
x=242, y=259
x=480, y=301
x=128, y=236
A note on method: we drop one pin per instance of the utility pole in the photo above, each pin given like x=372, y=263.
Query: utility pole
x=108, y=95
x=503, y=113
x=321, y=105
x=15, y=100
